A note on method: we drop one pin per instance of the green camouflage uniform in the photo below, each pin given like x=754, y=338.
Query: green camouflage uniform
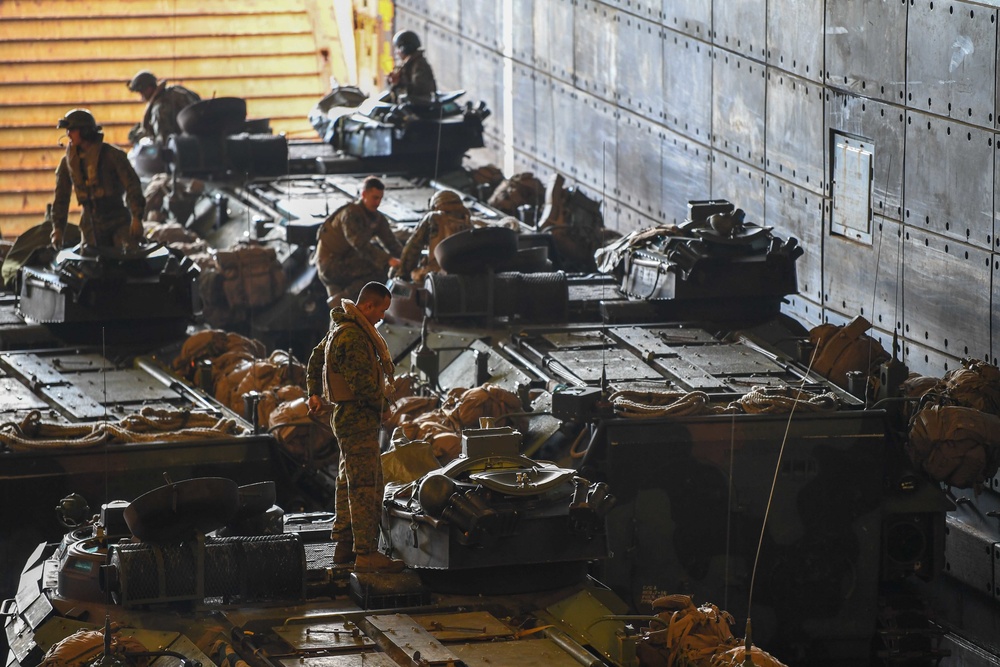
x=160, y=119
x=416, y=83
x=434, y=227
x=347, y=350
x=99, y=190
x=353, y=247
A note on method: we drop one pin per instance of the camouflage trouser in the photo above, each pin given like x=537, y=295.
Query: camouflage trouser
x=359, y=492
x=346, y=277
x=106, y=231
x=341, y=506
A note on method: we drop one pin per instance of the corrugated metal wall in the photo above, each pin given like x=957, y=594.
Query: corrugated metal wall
x=651, y=103
x=61, y=54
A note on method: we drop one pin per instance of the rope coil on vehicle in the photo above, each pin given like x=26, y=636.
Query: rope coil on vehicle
x=653, y=404
x=778, y=400
x=149, y=425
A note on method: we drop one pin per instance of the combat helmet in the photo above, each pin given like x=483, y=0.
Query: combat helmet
x=78, y=119
x=406, y=41
x=141, y=81
x=446, y=200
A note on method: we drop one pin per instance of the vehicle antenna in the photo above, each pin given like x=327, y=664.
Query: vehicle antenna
x=604, y=321
x=729, y=508
x=107, y=449
x=770, y=497
x=437, y=150
x=878, y=264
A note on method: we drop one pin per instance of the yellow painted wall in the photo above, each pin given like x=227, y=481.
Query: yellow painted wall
x=280, y=55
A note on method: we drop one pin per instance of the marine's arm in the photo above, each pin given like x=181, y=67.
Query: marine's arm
x=385, y=234
x=314, y=375
x=411, y=252
x=359, y=237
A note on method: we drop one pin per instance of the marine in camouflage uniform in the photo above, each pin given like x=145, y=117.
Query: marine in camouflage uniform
x=100, y=175
x=413, y=80
x=448, y=215
x=346, y=368
x=355, y=245
x=163, y=104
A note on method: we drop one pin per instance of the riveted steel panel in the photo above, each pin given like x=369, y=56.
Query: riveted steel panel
x=553, y=21
x=795, y=212
x=925, y=360
x=596, y=43
x=996, y=188
x=884, y=126
x=866, y=48
x=523, y=31
x=616, y=365
x=863, y=279
x=15, y=397
x=687, y=86
x=738, y=104
x=625, y=220
x=445, y=13
x=482, y=22
x=545, y=117
x=947, y=295
x=407, y=637
x=640, y=165
x=968, y=550
x=687, y=175
x=691, y=17
x=416, y=7
x=727, y=360
x=444, y=48
x=647, y=9
x=523, y=109
x=639, y=62
x=995, y=310
x=526, y=162
x=594, y=122
x=740, y=26
x=808, y=313
x=795, y=139
x=565, y=108
x=949, y=179
x=795, y=37
x=739, y=183
x=482, y=79
x=951, y=60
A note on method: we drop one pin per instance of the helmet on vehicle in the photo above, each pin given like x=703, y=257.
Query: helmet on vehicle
x=406, y=41
x=78, y=119
x=141, y=81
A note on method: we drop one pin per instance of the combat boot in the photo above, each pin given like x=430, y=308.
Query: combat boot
x=377, y=562
x=343, y=552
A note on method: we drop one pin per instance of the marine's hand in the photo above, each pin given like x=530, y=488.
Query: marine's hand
x=393, y=77
x=135, y=229
x=315, y=403
x=57, y=239
x=394, y=262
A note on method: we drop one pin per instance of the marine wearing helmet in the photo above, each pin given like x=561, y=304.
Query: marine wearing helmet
x=163, y=104
x=448, y=215
x=412, y=81
x=101, y=176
